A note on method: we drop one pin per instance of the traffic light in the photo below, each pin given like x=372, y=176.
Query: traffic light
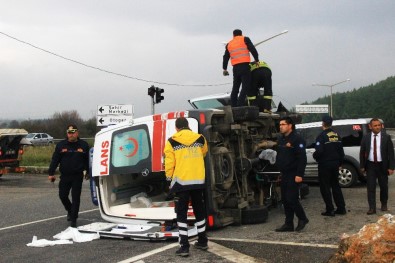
x=158, y=95
x=151, y=91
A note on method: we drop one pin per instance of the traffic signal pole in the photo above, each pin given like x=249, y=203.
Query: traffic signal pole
x=157, y=93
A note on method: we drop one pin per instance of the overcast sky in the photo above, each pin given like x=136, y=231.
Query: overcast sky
x=179, y=42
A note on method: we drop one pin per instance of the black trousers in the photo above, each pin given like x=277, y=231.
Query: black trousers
x=328, y=175
x=290, y=199
x=261, y=78
x=73, y=183
x=376, y=172
x=241, y=76
x=199, y=209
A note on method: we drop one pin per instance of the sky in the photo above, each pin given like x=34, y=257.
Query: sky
x=56, y=56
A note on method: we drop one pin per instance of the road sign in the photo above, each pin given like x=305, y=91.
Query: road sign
x=106, y=120
x=318, y=108
x=115, y=109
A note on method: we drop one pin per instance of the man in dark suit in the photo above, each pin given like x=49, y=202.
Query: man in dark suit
x=377, y=159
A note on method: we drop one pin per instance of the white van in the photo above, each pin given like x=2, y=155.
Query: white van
x=129, y=178
x=351, y=132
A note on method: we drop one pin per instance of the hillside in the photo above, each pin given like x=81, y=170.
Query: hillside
x=376, y=100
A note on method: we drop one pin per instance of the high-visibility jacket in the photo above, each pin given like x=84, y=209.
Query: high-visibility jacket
x=184, y=160
x=238, y=51
x=262, y=64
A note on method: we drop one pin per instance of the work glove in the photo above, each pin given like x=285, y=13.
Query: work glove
x=226, y=73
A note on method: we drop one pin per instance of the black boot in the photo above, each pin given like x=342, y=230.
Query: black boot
x=285, y=228
x=267, y=105
x=252, y=101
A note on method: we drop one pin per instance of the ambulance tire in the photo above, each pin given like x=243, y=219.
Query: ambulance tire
x=254, y=214
x=223, y=167
x=245, y=113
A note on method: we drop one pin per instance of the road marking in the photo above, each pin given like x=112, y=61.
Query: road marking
x=274, y=242
x=150, y=253
x=214, y=248
x=43, y=220
x=225, y=252
x=230, y=254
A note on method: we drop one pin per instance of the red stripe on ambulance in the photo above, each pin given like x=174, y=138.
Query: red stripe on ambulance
x=104, y=158
x=157, y=146
x=159, y=137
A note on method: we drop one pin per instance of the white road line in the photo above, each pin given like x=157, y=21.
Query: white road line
x=150, y=253
x=225, y=252
x=274, y=242
x=214, y=248
x=230, y=254
x=43, y=220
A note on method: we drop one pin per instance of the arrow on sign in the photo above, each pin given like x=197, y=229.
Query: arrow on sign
x=101, y=120
x=101, y=109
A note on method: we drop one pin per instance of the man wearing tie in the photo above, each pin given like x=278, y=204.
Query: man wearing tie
x=377, y=160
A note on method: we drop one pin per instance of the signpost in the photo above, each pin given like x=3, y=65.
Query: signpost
x=318, y=108
x=112, y=114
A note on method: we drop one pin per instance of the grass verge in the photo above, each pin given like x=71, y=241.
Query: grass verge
x=37, y=155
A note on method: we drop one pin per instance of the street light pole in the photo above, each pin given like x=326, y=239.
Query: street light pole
x=331, y=86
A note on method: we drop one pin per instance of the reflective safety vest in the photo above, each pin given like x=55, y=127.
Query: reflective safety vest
x=262, y=64
x=238, y=51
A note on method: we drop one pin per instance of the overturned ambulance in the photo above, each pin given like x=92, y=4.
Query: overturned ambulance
x=130, y=183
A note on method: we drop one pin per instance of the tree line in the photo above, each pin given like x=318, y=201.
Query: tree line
x=366, y=102
x=56, y=125
x=375, y=100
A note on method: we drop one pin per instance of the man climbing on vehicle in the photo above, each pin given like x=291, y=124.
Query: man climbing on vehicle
x=238, y=50
x=261, y=77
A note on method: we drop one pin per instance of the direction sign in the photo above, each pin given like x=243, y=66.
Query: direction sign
x=106, y=120
x=318, y=108
x=115, y=109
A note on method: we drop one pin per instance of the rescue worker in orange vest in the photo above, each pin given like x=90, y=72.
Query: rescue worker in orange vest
x=238, y=51
x=261, y=77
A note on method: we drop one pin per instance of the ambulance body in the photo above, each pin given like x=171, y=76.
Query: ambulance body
x=128, y=167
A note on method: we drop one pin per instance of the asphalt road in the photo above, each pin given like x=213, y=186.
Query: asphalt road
x=30, y=207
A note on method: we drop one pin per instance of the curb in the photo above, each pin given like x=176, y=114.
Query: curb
x=36, y=169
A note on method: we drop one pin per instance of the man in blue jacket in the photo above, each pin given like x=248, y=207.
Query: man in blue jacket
x=329, y=154
x=72, y=155
x=291, y=161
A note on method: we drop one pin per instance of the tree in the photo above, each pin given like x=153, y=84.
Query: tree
x=60, y=120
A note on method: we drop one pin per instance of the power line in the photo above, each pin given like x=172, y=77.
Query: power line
x=108, y=71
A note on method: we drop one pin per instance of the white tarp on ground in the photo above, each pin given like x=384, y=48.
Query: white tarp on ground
x=67, y=236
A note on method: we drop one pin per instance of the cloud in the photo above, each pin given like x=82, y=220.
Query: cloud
x=179, y=42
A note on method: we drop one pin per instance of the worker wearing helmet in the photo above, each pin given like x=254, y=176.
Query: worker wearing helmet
x=238, y=51
x=261, y=77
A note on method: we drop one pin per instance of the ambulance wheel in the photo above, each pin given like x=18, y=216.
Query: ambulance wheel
x=223, y=167
x=245, y=113
x=254, y=214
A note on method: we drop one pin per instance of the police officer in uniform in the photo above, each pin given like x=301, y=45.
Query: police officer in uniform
x=238, y=51
x=291, y=161
x=184, y=167
x=72, y=154
x=329, y=154
x=261, y=77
